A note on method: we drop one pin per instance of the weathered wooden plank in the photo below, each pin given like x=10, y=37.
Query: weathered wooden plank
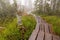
x=41, y=24
x=40, y=35
x=56, y=37
x=48, y=36
x=33, y=36
x=50, y=28
x=34, y=33
x=41, y=27
x=46, y=28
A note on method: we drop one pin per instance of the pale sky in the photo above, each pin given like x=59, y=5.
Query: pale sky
x=21, y=1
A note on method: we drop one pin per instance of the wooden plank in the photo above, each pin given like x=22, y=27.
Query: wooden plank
x=33, y=36
x=48, y=36
x=46, y=28
x=50, y=28
x=56, y=37
x=41, y=27
x=40, y=35
x=34, y=33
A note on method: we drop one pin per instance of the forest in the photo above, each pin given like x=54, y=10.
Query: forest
x=24, y=22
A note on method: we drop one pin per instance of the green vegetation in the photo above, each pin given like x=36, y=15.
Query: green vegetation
x=29, y=23
x=47, y=9
x=8, y=21
x=7, y=12
x=55, y=21
x=9, y=29
x=10, y=32
x=50, y=13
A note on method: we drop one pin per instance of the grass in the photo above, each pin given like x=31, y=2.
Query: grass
x=10, y=32
x=55, y=21
x=29, y=23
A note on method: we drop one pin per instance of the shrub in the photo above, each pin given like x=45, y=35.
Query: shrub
x=29, y=23
x=55, y=21
x=11, y=32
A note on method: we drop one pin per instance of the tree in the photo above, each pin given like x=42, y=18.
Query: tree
x=44, y=7
x=7, y=12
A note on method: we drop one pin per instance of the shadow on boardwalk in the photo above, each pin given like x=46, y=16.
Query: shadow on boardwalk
x=42, y=31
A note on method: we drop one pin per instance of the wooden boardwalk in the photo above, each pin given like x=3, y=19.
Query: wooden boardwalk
x=42, y=31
